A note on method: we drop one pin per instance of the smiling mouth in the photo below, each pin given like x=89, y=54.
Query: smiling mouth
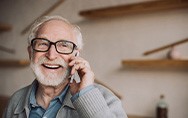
x=50, y=66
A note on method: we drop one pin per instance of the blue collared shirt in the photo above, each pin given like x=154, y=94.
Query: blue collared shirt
x=37, y=111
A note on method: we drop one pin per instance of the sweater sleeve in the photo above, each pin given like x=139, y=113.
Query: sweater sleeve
x=99, y=103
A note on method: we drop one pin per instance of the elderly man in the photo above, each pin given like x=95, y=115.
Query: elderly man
x=64, y=85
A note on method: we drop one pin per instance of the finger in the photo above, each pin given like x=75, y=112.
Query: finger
x=78, y=67
x=75, y=68
x=72, y=63
x=76, y=61
x=79, y=62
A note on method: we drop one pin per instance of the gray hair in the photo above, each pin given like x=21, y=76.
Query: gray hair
x=39, y=22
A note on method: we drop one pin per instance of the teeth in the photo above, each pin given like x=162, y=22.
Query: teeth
x=51, y=66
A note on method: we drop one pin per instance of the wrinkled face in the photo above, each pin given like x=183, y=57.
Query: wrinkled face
x=51, y=68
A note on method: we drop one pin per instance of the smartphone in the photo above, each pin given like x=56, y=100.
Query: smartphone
x=75, y=76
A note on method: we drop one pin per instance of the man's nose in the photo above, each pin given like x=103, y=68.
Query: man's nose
x=52, y=53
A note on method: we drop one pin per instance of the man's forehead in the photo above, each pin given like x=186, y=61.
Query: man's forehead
x=42, y=36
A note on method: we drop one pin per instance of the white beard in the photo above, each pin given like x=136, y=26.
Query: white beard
x=50, y=79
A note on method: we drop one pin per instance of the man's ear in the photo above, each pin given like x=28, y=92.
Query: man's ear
x=29, y=51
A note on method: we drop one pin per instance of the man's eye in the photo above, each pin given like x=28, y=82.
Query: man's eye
x=42, y=45
x=64, y=45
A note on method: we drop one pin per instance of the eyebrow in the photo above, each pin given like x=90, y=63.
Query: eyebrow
x=42, y=36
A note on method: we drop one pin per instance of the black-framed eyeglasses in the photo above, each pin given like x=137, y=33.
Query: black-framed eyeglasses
x=61, y=46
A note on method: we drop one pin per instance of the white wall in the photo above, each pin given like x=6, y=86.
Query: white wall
x=107, y=43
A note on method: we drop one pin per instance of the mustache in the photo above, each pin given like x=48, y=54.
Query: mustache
x=57, y=61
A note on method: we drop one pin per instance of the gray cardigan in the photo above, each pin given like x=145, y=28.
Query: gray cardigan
x=97, y=103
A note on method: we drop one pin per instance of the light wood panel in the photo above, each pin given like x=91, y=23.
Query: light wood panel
x=176, y=64
x=142, y=7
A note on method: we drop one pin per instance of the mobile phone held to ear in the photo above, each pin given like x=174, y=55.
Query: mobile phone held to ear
x=75, y=76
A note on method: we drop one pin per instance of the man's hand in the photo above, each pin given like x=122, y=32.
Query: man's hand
x=84, y=71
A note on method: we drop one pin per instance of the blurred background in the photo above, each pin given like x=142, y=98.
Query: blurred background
x=115, y=37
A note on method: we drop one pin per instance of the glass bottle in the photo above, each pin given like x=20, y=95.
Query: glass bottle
x=162, y=108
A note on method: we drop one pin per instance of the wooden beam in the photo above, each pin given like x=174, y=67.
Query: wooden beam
x=99, y=82
x=165, y=47
x=7, y=50
x=135, y=8
x=5, y=27
x=58, y=3
x=14, y=63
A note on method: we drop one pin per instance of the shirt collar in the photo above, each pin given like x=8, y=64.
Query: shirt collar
x=32, y=99
x=24, y=102
x=61, y=97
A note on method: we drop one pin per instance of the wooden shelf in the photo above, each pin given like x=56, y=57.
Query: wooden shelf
x=133, y=116
x=5, y=27
x=176, y=64
x=128, y=9
x=14, y=63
